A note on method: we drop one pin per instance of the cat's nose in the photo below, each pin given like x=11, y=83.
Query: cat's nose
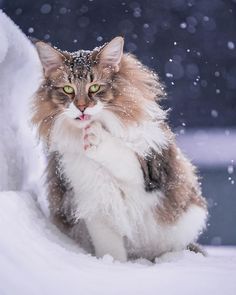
x=82, y=107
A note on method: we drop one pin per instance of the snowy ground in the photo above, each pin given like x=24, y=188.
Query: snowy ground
x=35, y=258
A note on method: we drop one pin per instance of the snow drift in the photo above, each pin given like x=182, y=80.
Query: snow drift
x=35, y=258
x=20, y=73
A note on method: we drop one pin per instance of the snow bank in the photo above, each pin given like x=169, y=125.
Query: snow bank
x=36, y=259
x=20, y=73
x=219, y=143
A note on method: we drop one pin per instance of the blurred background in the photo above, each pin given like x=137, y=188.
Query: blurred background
x=191, y=44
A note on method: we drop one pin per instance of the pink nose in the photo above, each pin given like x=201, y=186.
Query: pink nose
x=82, y=107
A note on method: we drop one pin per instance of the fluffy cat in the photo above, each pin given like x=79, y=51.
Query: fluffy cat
x=117, y=183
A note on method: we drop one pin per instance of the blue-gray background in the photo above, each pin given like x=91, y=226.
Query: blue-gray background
x=192, y=46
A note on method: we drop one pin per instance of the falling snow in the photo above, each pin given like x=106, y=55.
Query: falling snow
x=45, y=8
x=183, y=25
x=231, y=45
x=214, y=113
x=230, y=169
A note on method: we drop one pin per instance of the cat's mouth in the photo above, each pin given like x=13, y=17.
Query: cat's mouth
x=83, y=117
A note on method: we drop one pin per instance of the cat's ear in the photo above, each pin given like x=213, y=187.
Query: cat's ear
x=51, y=58
x=111, y=54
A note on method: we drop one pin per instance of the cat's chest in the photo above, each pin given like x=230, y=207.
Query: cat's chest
x=111, y=186
x=80, y=171
x=117, y=168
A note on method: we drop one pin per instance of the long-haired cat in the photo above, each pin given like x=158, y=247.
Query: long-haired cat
x=117, y=183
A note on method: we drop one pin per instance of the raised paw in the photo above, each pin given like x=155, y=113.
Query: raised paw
x=93, y=135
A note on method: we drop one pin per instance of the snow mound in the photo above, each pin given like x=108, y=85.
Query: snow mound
x=36, y=258
x=20, y=74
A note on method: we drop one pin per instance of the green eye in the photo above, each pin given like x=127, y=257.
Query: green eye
x=68, y=89
x=94, y=88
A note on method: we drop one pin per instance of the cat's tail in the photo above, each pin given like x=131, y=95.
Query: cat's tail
x=196, y=248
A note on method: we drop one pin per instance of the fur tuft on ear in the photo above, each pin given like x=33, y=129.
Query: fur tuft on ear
x=51, y=58
x=111, y=54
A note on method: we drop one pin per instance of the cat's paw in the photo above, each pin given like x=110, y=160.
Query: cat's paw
x=94, y=134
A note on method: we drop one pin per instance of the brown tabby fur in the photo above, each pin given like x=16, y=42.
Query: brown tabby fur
x=59, y=194
x=175, y=177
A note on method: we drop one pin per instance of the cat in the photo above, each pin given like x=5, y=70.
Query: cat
x=116, y=181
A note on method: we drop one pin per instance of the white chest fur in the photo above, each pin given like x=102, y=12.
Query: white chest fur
x=110, y=187
x=110, y=197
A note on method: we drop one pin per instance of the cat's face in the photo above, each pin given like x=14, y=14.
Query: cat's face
x=80, y=85
x=84, y=86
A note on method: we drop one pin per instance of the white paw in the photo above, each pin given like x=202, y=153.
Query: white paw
x=94, y=134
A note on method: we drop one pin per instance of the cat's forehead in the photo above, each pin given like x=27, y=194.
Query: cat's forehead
x=82, y=59
x=80, y=63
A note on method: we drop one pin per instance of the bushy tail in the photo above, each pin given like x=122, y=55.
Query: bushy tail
x=196, y=248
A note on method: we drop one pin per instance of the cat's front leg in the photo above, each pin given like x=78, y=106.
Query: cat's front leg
x=112, y=153
x=105, y=240
x=94, y=135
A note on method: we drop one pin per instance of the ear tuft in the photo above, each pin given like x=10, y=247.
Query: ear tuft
x=111, y=54
x=51, y=58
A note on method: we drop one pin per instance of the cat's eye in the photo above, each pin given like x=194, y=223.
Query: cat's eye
x=94, y=88
x=68, y=89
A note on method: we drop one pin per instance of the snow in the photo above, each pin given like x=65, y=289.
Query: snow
x=230, y=169
x=219, y=143
x=231, y=45
x=183, y=25
x=214, y=113
x=45, y=8
x=35, y=258
x=21, y=159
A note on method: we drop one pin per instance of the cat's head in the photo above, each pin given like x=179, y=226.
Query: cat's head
x=100, y=84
